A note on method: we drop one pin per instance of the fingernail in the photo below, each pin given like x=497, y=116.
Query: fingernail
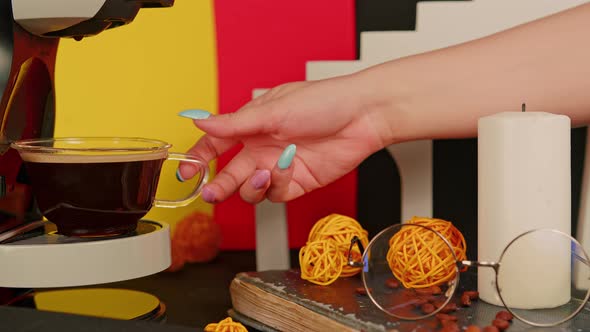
x=178, y=176
x=287, y=156
x=195, y=114
x=260, y=178
x=208, y=195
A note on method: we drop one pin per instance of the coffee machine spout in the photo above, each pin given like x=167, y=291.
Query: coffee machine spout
x=156, y=3
x=78, y=18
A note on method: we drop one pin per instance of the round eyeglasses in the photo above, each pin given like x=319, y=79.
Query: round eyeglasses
x=399, y=279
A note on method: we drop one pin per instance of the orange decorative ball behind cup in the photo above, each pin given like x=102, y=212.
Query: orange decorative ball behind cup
x=196, y=239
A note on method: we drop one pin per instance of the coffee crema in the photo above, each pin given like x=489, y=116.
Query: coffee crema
x=94, y=195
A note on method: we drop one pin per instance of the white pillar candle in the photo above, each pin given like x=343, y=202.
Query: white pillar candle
x=524, y=181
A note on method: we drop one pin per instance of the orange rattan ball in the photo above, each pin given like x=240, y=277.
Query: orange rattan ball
x=419, y=258
x=341, y=229
x=196, y=239
x=321, y=262
x=226, y=325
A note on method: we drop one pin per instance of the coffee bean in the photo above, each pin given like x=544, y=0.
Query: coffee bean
x=447, y=322
x=501, y=324
x=424, y=291
x=430, y=298
x=361, y=291
x=427, y=308
x=436, y=290
x=450, y=328
x=419, y=302
x=473, y=295
x=438, y=303
x=465, y=300
x=450, y=307
x=392, y=283
x=442, y=317
x=472, y=328
x=505, y=315
x=490, y=329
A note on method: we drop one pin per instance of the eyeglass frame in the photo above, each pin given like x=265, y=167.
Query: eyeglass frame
x=460, y=264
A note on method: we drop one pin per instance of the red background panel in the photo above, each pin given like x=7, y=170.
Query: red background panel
x=262, y=44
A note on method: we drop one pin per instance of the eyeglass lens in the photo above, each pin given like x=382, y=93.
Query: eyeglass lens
x=401, y=265
x=544, y=277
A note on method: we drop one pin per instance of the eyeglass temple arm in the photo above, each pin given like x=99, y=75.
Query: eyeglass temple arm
x=582, y=259
x=462, y=264
x=495, y=265
x=353, y=241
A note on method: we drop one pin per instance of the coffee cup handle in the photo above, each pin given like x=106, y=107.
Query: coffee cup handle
x=203, y=176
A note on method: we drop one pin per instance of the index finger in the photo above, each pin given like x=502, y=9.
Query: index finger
x=207, y=148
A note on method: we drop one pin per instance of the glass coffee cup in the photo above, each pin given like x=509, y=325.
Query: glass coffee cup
x=100, y=186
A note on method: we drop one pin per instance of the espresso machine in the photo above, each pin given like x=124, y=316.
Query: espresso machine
x=32, y=254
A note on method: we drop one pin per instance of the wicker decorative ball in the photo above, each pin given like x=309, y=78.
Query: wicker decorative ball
x=226, y=325
x=419, y=258
x=341, y=229
x=321, y=262
x=196, y=239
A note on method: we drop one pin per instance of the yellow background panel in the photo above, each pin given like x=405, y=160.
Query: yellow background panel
x=133, y=80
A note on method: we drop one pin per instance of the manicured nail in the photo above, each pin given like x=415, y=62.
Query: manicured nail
x=287, y=156
x=208, y=195
x=178, y=176
x=195, y=114
x=260, y=178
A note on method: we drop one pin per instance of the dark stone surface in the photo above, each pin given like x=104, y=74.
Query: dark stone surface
x=14, y=319
x=199, y=294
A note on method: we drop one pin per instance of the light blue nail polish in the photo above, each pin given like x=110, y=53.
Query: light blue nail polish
x=195, y=114
x=287, y=156
x=178, y=176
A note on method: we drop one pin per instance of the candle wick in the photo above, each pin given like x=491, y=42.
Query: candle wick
x=523, y=107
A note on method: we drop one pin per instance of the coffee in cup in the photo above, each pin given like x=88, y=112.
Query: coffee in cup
x=99, y=186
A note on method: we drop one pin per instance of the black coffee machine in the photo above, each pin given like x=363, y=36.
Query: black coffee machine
x=29, y=35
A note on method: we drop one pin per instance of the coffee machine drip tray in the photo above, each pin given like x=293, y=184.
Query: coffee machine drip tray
x=46, y=259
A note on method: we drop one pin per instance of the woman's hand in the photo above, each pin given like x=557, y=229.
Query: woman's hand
x=296, y=138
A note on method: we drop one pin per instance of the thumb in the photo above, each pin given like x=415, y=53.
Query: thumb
x=247, y=121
